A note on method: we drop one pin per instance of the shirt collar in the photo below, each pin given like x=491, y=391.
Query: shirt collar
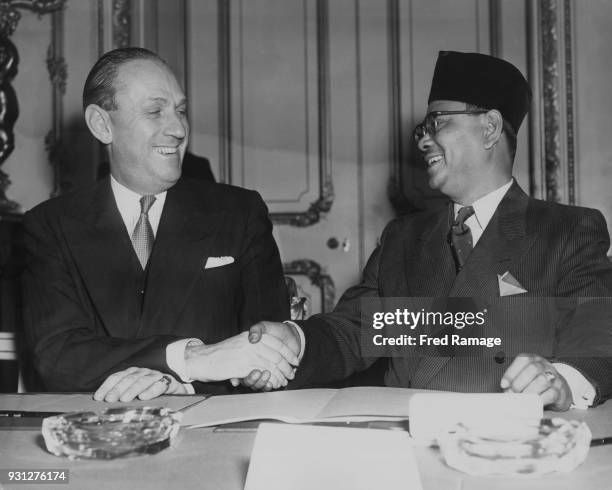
x=125, y=198
x=485, y=207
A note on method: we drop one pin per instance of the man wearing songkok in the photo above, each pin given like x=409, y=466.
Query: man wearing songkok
x=536, y=270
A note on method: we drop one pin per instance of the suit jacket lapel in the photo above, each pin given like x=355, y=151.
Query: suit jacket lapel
x=102, y=250
x=430, y=269
x=430, y=273
x=182, y=245
x=502, y=244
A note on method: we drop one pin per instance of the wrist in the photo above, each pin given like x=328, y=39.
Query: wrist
x=195, y=354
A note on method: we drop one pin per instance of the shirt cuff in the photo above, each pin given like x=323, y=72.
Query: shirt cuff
x=302, y=338
x=583, y=392
x=175, y=357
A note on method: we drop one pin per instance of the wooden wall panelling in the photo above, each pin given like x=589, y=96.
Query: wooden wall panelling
x=377, y=111
x=591, y=41
x=509, y=40
x=207, y=81
x=277, y=106
x=81, y=47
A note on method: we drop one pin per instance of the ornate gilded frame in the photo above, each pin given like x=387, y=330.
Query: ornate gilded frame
x=312, y=270
x=552, y=166
x=9, y=110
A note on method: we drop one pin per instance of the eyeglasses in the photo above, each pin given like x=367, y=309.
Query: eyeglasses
x=430, y=123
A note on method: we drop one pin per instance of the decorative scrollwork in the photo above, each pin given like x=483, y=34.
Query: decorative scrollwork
x=9, y=59
x=9, y=111
x=58, y=70
x=312, y=270
x=122, y=23
x=556, y=37
x=9, y=18
x=9, y=15
x=57, y=155
x=313, y=214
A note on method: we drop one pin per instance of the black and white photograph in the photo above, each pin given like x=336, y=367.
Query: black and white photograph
x=297, y=244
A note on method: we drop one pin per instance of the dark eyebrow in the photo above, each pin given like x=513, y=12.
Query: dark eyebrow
x=164, y=100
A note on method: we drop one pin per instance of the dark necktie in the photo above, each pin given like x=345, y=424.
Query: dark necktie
x=461, y=237
x=142, y=236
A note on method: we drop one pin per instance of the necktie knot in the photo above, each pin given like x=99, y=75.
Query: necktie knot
x=145, y=204
x=459, y=227
x=461, y=237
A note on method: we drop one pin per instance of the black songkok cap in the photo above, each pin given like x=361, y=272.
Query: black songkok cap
x=482, y=80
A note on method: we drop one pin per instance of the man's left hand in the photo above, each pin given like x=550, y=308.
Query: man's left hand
x=530, y=373
x=135, y=382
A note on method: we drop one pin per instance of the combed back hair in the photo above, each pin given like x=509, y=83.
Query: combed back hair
x=507, y=130
x=100, y=84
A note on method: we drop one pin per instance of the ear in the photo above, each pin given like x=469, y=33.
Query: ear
x=493, y=129
x=99, y=123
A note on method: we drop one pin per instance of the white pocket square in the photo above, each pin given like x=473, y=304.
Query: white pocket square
x=508, y=285
x=212, y=262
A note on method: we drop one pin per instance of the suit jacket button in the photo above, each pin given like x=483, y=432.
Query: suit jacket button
x=500, y=357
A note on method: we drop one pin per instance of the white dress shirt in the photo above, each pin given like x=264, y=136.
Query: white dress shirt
x=582, y=390
x=128, y=203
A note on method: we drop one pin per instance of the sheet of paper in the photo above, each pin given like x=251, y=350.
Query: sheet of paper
x=375, y=401
x=288, y=406
x=303, y=457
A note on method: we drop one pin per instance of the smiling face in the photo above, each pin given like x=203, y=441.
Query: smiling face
x=149, y=128
x=454, y=154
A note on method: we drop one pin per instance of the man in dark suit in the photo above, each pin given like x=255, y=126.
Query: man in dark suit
x=536, y=271
x=124, y=278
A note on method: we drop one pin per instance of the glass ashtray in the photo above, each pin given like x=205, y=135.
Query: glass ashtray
x=517, y=449
x=111, y=433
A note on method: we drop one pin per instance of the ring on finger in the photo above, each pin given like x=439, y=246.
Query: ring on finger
x=166, y=380
x=550, y=376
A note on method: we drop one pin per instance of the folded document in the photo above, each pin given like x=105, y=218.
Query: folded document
x=301, y=406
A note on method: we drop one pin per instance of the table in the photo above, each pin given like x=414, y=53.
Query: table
x=213, y=459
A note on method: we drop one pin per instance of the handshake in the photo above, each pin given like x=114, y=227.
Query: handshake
x=264, y=358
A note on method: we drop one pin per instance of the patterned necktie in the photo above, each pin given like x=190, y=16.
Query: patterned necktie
x=461, y=237
x=142, y=236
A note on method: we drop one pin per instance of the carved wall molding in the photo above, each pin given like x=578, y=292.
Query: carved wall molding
x=326, y=186
x=9, y=59
x=224, y=84
x=395, y=191
x=312, y=270
x=325, y=198
x=553, y=173
x=122, y=23
x=58, y=73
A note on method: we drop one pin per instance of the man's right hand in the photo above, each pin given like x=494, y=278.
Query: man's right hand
x=285, y=333
x=236, y=357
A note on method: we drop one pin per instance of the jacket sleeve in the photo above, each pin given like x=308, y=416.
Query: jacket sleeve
x=264, y=294
x=585, y=279
x=333, y=340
